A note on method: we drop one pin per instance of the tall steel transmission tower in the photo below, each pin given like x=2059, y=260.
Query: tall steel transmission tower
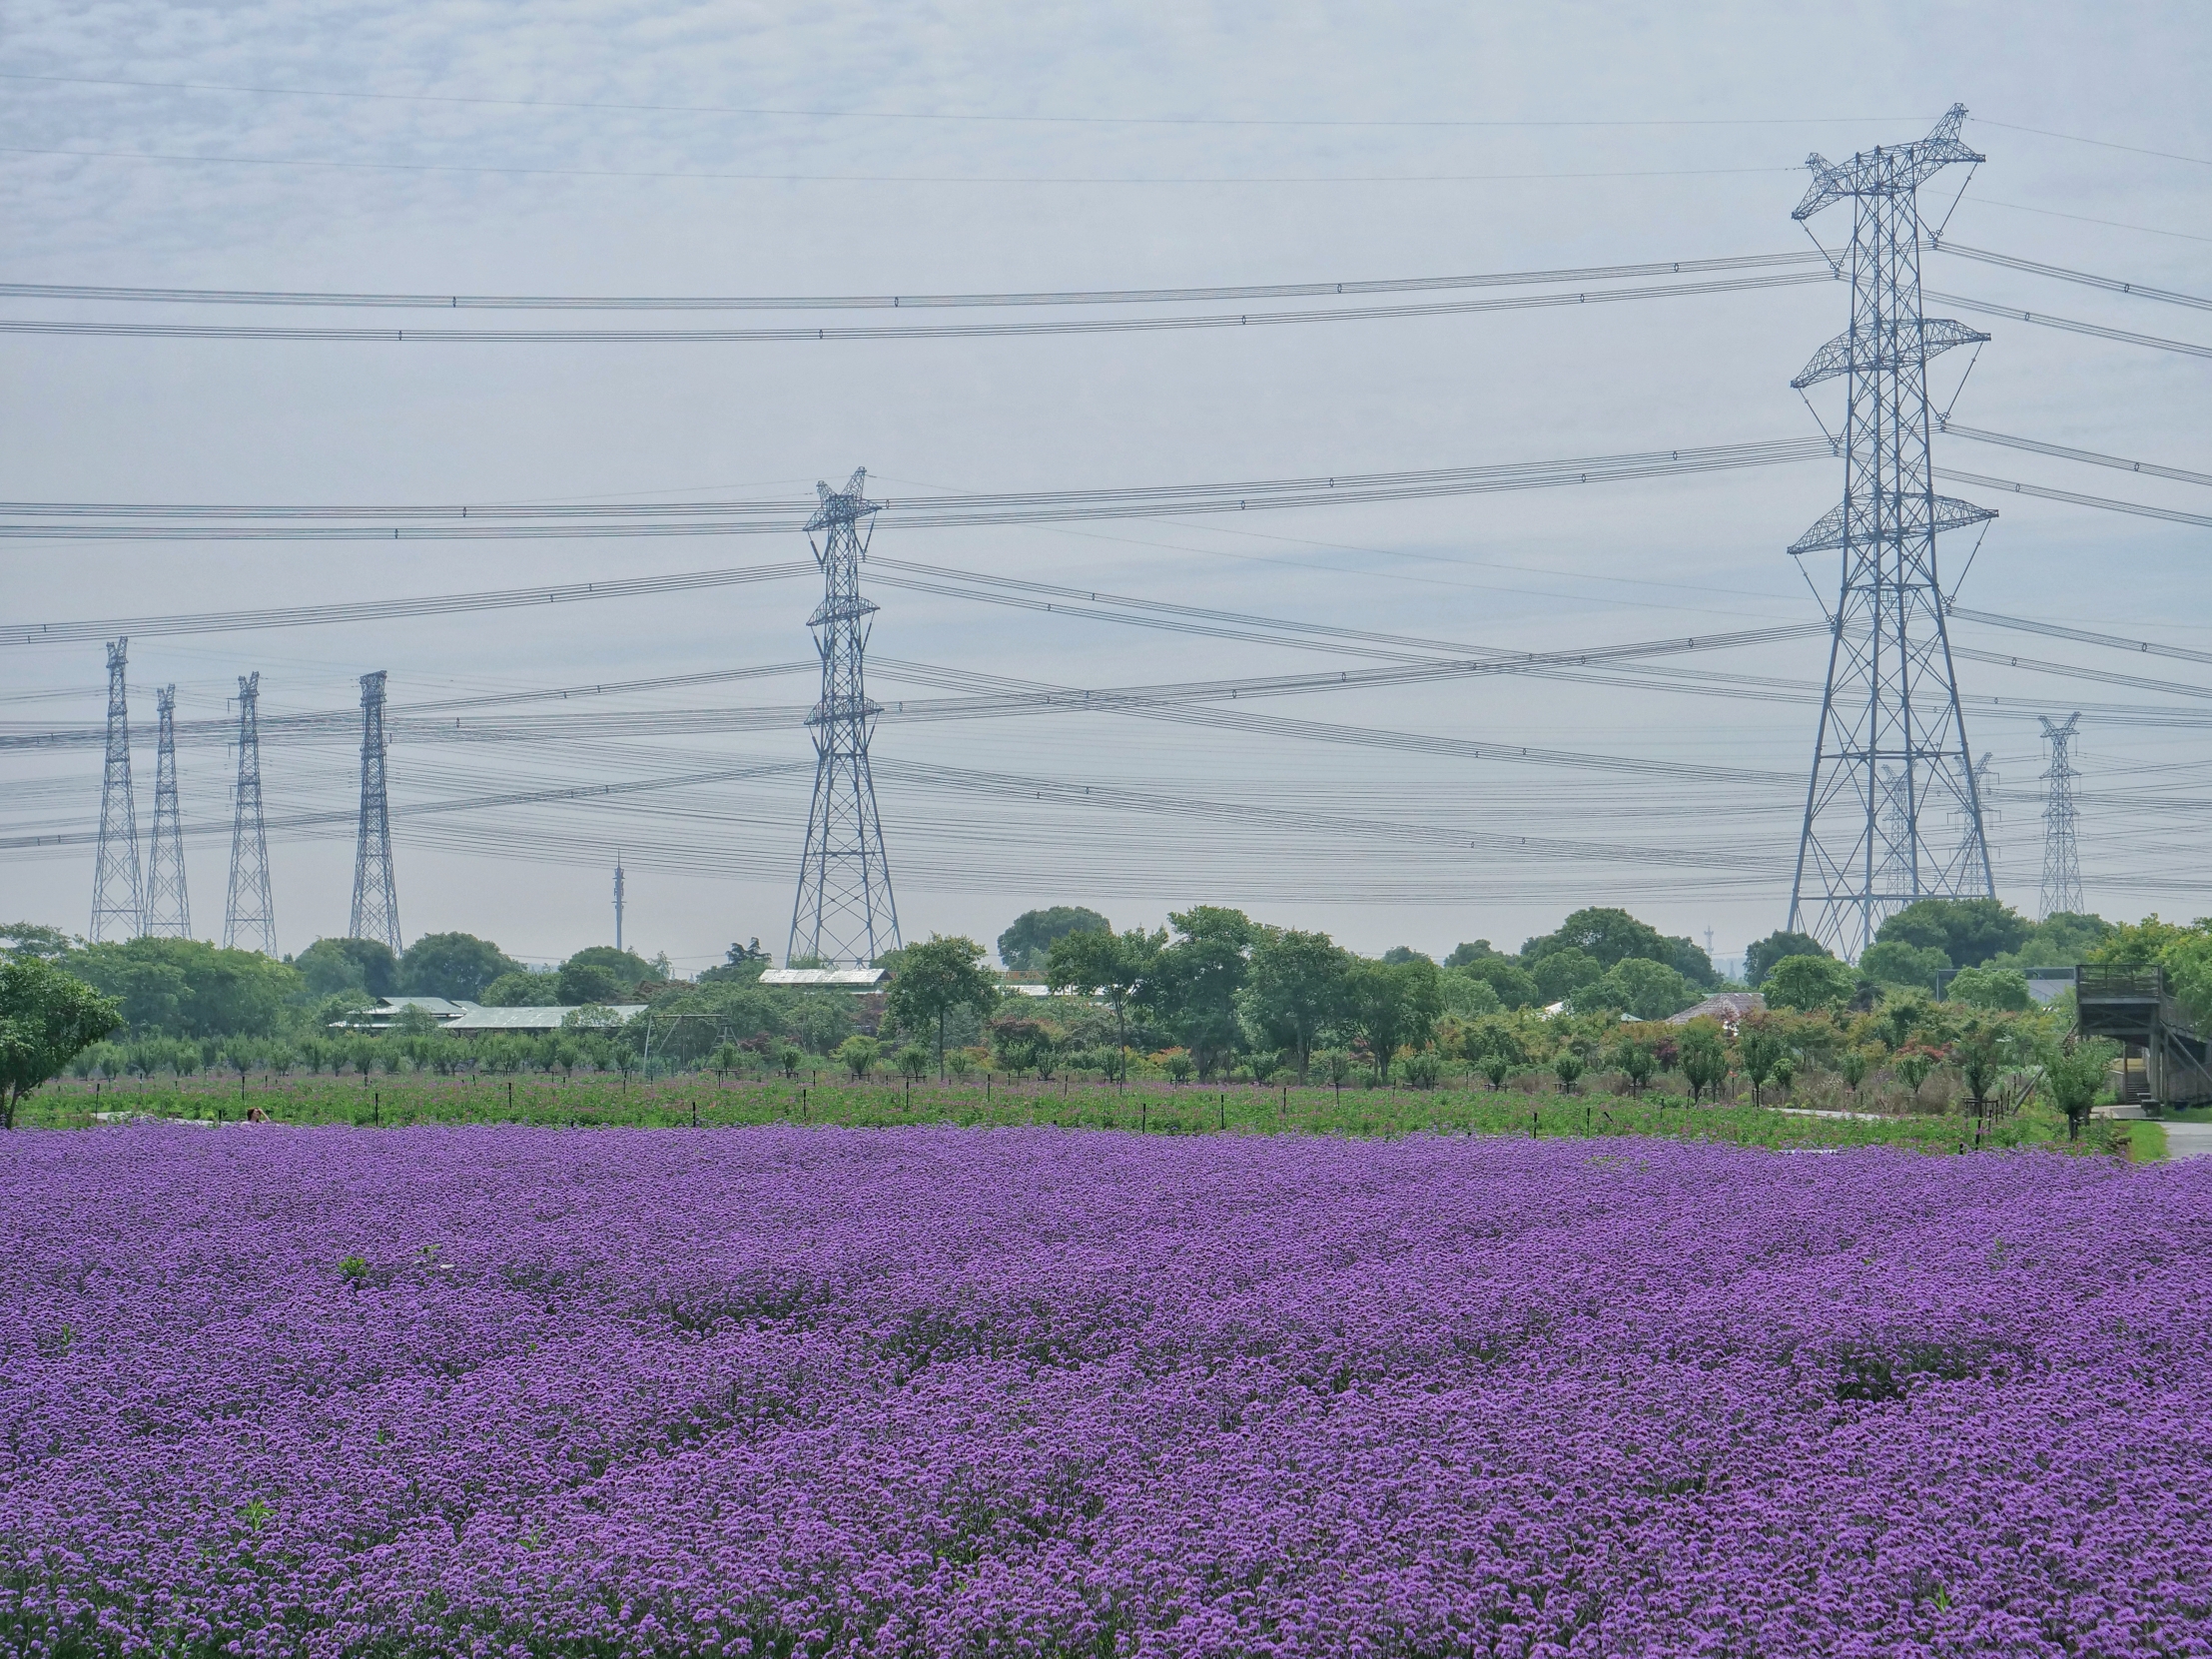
x=118, y=902
x=1890, y=759
x=248, y=918
x=376, y=896
x=2061, y=853
x=168, y=910
x=845, y=916
x=617, y=900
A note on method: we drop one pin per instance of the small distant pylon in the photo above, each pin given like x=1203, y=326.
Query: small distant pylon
x=167, y=909
x=844, y=915
x=617, y=900
x=375, y=895
x=2061, y=850
x=248, y=918
x=118, y=902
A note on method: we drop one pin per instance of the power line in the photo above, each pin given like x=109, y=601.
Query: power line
x=2042, y=493
x=2111, y=285
x=879, y=178
x=907, y=115
x=377, y=610
x=2145, y=647
x=2044, y=319
x=2090, y=458
x=78, y=521
x=872, y=332
x=898, y=301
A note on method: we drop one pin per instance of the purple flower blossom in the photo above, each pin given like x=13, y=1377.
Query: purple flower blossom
x=925, y=1391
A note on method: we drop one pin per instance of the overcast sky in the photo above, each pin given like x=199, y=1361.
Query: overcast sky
x=450, y=149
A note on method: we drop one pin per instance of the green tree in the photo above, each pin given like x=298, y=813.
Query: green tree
x=1513, y=985
x=1968, y=931
x=1564, y=971
x=1604, y=935
x=1296, y=987
x=1466, y=996
x=1777, y=946
x=1029, y=939
x=1758, y=1052
x=914, y=1058
x=2145, y=941
x=1465, y=954
x=1567, y=1067
x=46, y=1016
x=1853, y=1067
x=523, y=988
x=188, y=988
x=859, y=1056
x=1809, y=982
x=1897, y=962
x=1637, y=1063
x=1703, y=1059
x=2073, y=1078
x=602, y=974
x=1391, y=1004
x=29, y=940
x=1996, y=988
x=1104, y=964
x=930, y=980
x=1196, y=981
x=333, y=965
x=452, y=965
x=1636, y=986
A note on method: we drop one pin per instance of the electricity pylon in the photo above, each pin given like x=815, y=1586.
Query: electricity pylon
x=248, y=918
x=376, y=896
x=617, y=900
x=118, y=902
x=2061, y=853
x=1871, y=846
x=844, y=915
x=167, y=909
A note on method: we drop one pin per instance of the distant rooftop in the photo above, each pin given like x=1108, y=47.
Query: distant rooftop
x=850, y=978
x=478, y=1020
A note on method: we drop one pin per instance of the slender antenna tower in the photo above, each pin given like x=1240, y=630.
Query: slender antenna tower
x=168, y=910
x=1871, y=845
x=2061, y=854
x=248, y=918
x=844, y=915
x=376, y=898
x=617, y=900
x=118, y=902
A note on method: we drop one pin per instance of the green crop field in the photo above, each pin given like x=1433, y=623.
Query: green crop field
x=604, y=1101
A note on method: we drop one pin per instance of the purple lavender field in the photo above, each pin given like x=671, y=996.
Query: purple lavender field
x=930, y=1391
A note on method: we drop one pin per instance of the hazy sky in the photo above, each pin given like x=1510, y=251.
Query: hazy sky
x=449, y=149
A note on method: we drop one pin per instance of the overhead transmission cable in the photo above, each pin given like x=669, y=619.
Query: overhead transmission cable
x=2058, y=272
x=899, y=302
x=132, y=522
x=878, y=332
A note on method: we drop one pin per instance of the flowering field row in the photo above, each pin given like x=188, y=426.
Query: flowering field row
x=932, y=1391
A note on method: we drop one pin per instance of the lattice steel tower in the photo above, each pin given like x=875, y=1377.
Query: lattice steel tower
x=375, y=897
x=1890, y=761
x=844, y=915
x=248, y=918
x=2061, y=853
x=118, y=902
x=168, y=910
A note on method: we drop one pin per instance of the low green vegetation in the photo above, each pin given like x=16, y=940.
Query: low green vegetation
x=1216, y=1002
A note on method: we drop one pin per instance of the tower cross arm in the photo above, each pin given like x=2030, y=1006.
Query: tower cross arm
x=1896, y=170
x=1938, y=336
x=1854, y=522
